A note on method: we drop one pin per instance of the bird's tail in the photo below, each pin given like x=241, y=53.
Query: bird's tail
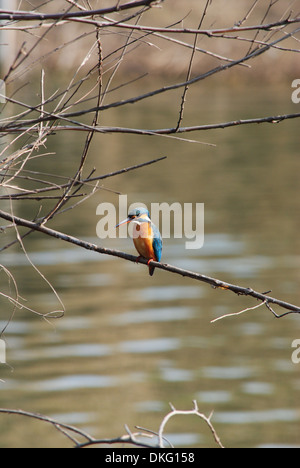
x=151, y=270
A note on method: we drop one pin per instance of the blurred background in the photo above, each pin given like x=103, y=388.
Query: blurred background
x=129, y=344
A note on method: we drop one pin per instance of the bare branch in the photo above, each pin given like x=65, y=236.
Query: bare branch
x=277, y=25
x=275, y=119
x=27, y=16
x=59, y=426
x=216, y=283
x=138, y=439
x=195, y=412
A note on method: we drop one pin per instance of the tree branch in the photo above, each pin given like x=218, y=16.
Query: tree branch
x=60, y=426
x=28, y=16
x=205, y=32
x=132, y=438
x=165, y=131
x=215, y=283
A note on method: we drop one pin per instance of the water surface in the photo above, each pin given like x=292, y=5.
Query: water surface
x=129, y=344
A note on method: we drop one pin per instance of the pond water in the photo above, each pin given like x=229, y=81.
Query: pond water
x=129, y=344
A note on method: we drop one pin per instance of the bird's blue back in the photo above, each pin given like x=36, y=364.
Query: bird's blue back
x=157, y=242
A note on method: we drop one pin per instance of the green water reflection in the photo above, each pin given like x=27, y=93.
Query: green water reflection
x=129, y=344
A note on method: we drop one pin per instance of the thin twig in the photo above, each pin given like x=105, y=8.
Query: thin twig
x=12, y=15
x=239, y=313
x=190, y=67
x=195, y=412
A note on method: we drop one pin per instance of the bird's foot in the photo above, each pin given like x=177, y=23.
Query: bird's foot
x=138, y=259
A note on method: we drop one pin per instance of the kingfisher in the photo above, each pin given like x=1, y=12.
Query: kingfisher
x=146, y=236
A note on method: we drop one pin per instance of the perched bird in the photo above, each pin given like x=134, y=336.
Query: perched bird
x=146, y=236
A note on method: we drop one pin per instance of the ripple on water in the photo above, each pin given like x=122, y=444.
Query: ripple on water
x=164, y=314
x=71, y=382
x=167, y=293
x=254, y=417
x=156, y=345
x=230, y=373
x=214, y=396
x=258, y=388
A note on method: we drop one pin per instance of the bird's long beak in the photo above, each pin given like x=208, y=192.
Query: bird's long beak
x=126, y=221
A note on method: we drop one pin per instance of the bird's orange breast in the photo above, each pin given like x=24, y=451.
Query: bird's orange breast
x=143, y=240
